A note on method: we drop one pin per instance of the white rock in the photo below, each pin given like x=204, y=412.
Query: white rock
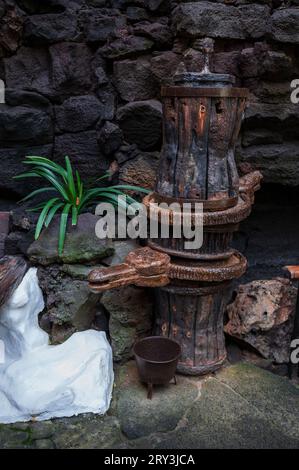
x=41, y=381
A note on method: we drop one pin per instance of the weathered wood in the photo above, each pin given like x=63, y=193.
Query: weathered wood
x=216, y=244
x=193, y=316
x=197, y=159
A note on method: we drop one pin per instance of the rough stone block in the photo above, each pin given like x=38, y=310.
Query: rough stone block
x=78, y=113
x=134, y=80
x=199, y=19
x=51, y=28
x=285, y=25
x=141, y=123
x=84, y=152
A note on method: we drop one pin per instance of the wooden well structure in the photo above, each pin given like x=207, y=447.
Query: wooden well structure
x=202, y=115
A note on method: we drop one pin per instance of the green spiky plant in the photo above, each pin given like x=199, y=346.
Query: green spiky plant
x=72, y=196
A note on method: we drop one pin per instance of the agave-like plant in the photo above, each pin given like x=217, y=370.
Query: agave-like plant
x=72, y=197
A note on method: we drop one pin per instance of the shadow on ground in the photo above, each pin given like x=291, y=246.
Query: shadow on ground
x=241, y=406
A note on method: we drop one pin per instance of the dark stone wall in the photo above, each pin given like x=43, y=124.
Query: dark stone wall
x=83, y=79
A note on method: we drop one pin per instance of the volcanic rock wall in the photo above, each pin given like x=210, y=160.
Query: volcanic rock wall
x=83, y=79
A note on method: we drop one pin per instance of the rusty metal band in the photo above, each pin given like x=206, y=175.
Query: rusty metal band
x=208, y=205
x=226, y=92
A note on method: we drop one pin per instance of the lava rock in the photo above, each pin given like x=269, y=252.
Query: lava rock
x=25, y=124
x=16, y=97
x=121, y=249
x=159, y=33
x=99, y=26
x=164, y=66
x=11, y=164
x=81, y=243
x=271, y=93
x=11, y=29
x=136, y=14
x=106, y=97
x=141, y=123
x=279, y=164
x=71, y=69
x=226, y=62
x=84, y=152
x=101, y=76
x=126, y=152
x=22, y=220
x=125, y=47
x=78, y=113
x=97, y=3
x=130, y=310
x=221, y=21
x=70, y=304
x=261, y=62
x=162, y=6
x=262, y=315
x=285, y=25
x=50, y=6
x=265, y=115
x=141, y=171
x=29, y=69
x=134, y=80
x=194, y=61
x=49, y=29
x=261, y=137
x=110, y=138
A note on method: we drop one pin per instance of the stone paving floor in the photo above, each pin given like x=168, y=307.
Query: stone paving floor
x=242, y=406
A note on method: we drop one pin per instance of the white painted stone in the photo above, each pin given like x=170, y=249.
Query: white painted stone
x=41, y=381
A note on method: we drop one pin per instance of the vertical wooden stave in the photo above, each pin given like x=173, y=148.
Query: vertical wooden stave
x=198, y=148
x=196, y=323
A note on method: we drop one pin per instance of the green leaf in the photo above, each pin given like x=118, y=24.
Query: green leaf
x=37, y=208
x=35, y=193
x=52, y=213
x=74, y=216
x=29, y=174
x=70, y=179
x=79, y=185
x=43, y=216
x=41, y=162
x=105, y=176
x=62, y=229
x=131, y=188
x=47, y=174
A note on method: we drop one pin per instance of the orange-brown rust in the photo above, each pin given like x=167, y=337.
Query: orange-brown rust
x=293, y=271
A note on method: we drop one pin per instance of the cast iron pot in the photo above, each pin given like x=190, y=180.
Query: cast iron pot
x=157, y=359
